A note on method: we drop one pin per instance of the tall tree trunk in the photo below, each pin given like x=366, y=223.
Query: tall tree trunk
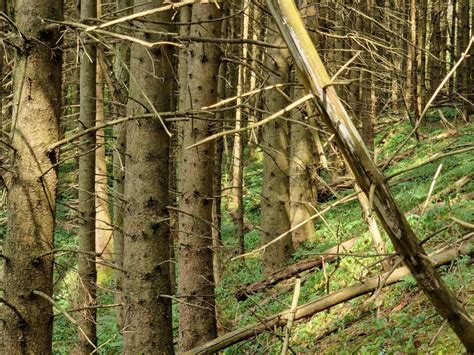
x=103, y=224
x=121, y=64
x=146, y=231
x=368, y=177
x=275, y=189
x=464, y=73
x=236, y=202
x=197, y=318
x=436, y=61
x=27, y=319
x=86, y=181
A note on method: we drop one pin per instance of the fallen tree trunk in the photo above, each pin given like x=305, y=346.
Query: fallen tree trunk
x=295, y=269
x=331, y=300
x=314, y=76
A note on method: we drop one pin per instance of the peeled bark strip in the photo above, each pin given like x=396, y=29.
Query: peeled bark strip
x=197, y=319
x=147, y=315
x=368, y=177
x=326, y=302
x=26, y=320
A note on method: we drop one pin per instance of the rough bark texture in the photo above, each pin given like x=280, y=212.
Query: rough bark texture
x=87, y=287
x=301, y=180
x=368, y=177
x=146, y=231
x=26, y=326
x=122, y=78
x=196, y=284
x=275, y=189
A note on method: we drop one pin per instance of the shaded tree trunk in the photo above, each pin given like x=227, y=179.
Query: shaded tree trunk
x=122, y=61
x=275, y=190
x=197, y=318
x=146, y=284
x=86, y=181
x=27, y=319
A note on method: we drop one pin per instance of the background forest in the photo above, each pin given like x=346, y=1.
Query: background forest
x=237, y=176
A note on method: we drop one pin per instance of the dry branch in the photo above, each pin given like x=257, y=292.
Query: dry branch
x=294, y=270
x=326, y=302
x=368, y=176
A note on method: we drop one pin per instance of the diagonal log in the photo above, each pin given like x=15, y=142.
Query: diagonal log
x=295, y=269
x=368, y=176
x=310, y=309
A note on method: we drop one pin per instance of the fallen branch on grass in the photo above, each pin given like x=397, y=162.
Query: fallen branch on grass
x=331, y=300
x=294, y=270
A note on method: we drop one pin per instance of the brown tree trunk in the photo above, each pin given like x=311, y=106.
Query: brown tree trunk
x=197, y=317
x=122, y=61
x=146, y=284
x=368, y=177
x=27, y=319
x=436, y=61
x=275, y=189
x=86, y=181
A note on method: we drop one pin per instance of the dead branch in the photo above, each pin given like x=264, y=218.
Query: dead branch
x=294, y=270
x=326, y=302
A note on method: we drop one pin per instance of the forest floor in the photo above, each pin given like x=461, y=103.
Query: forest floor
x=399, y=319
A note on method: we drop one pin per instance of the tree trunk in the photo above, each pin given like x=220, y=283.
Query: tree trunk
x=302, y=161
x=146, y=231
x=368, y=177
x=275, y=190
x=197, y=317
x=27, y=319
x=104, y=244
x=86, y=181
x=122, y=61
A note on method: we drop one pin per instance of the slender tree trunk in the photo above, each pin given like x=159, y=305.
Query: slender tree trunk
x=197, y=316
x=464, y=73
x=275, y=189
x=87, y=266
x=103, y=224
x=146, y=285
x=436, y=64
x=122, y=61
x=368, y=177
x=27, y=319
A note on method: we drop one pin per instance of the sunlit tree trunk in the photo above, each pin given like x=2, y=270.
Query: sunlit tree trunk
x=103, y=225
x=26, y=318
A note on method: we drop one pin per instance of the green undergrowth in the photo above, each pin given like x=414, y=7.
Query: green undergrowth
x=399, y=319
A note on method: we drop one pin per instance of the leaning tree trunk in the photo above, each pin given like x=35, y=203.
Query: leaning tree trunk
x=146, y=284
x=368, y=176
x=197, y=319
x=86, y=180
x=26, y=318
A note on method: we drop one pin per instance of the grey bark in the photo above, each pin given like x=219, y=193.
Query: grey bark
x=146, y=284
x=26, y=326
